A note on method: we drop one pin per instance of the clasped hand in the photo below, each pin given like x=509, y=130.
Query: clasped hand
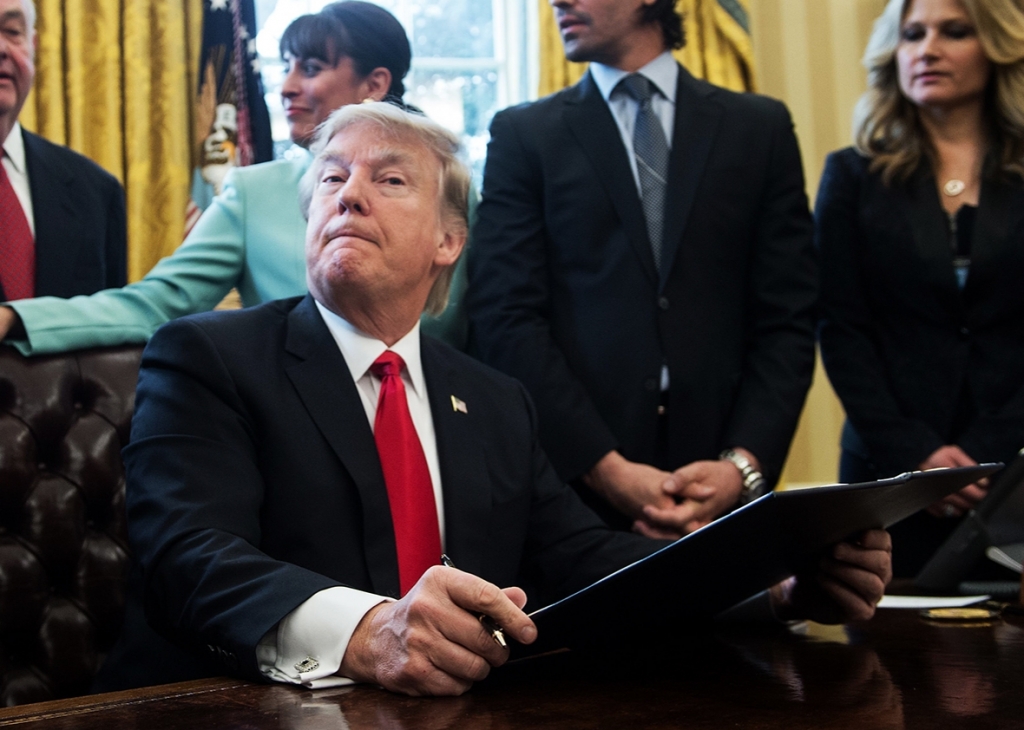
x=666, y=505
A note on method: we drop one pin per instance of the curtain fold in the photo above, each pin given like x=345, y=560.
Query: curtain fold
x=718, y=47
x=808, y=54
x=115, y=81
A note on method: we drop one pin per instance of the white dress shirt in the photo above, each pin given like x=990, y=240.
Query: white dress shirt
x=17, y=172
x=322, y=626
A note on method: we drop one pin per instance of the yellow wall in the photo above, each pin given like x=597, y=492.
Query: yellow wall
x=807, y=53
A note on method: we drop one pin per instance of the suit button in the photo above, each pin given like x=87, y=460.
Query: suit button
x=965, y=333
x=663, y=303
x=651, y=384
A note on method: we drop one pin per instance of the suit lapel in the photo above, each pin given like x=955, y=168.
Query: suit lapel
x=464, y=478
x=52, y=209
x=696, y=124
x=322, y=380
x=591, y=123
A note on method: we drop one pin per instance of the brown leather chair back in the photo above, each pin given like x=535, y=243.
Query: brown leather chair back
x=63, y=540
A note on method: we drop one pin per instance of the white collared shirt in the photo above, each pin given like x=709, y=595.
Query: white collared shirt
x=17, y=171
x=663, y=73
x=360, y=351
x=322, y=626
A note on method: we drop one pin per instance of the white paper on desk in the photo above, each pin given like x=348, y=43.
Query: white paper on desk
x=920, y=602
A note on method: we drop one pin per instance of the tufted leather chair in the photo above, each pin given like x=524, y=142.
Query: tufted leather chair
x=63, y=542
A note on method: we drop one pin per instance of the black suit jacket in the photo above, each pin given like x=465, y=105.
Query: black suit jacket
x=254, y=482
x=79, y=220
x=564, y=294
x=900, y=341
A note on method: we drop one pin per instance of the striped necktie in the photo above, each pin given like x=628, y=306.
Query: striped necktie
x=651, y=151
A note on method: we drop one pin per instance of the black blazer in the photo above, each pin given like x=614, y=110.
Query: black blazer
x=564, y=295
x=79, y=219
x=900, y=341
x=254, y=482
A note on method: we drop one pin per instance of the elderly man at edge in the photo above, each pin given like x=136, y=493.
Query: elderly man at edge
x=62, y=216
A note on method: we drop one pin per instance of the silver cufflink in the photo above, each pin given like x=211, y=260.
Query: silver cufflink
x=306, y=665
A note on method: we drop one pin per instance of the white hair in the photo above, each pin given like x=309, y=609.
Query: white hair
x=30, y=15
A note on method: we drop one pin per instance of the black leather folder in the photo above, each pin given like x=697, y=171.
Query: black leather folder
x=735, y=557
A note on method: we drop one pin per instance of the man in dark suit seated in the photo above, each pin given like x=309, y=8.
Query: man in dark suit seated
x=62, y=217
x=297, y=468
x=642, y=262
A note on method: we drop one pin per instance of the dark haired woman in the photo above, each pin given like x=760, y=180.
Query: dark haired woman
x=920, y=229
x=253, y=234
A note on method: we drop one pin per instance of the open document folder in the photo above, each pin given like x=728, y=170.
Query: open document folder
x=735, y=557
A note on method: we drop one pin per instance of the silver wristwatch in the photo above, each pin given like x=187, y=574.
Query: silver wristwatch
x=754, y=483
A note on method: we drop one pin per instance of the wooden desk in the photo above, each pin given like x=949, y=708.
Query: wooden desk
x=894, y=672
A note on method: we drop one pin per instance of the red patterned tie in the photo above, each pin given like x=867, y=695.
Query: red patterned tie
x=410, y=494
x=17, y=247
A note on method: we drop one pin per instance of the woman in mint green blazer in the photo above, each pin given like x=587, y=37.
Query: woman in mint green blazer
x=252, y=237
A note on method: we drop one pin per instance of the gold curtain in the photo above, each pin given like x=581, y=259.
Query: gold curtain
x=808, y=54
x=717, y=49
x=115, y=81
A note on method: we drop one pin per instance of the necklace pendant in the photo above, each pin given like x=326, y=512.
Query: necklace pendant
x=954, y=187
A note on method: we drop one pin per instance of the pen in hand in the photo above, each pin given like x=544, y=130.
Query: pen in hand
x=496, y=632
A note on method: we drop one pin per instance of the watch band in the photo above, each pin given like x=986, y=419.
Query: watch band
x=754, y=483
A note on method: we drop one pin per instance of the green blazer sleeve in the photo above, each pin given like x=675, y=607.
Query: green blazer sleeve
x=250, y=237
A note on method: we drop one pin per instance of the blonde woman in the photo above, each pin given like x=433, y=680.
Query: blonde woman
x=920, y=230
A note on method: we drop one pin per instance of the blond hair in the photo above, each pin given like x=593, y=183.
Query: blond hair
x=886, y=124
x=396, y=123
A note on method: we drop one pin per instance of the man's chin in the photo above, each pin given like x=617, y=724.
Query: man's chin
x=575, y=50
x=8, y=101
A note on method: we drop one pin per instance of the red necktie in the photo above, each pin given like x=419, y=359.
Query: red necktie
x=17, y=247
x=410, y=494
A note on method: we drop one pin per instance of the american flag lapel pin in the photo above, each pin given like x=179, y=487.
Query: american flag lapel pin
x=459, y=405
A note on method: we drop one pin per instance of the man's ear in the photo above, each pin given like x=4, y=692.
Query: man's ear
x=450, y=248
x=377, y=83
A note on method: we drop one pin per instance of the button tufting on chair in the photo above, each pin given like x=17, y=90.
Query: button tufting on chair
x=63, y=540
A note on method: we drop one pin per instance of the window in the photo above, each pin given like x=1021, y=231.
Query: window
x=470, y=58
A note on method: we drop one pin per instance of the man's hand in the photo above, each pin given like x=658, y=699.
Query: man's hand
x=431, y=642
x=8, y=318
x=701, y=491
x=956, y=504
x=629, y=486
x=847, y=586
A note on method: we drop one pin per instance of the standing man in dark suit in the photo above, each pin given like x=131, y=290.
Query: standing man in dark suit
x=62, y=217
x=642, y=262
x=296, y=468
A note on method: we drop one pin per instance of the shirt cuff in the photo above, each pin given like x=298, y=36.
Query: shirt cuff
x=308, y=644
